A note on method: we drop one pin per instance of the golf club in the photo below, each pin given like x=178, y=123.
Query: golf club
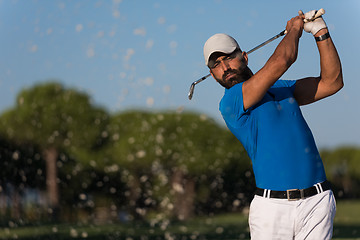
x=317, y=14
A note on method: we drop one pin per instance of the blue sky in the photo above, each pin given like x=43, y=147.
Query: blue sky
x=145, y=54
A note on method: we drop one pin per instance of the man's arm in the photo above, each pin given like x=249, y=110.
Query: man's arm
x=284, y=56
x=311, y=89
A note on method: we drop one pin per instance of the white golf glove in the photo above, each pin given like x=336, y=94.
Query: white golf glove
x=315, y=25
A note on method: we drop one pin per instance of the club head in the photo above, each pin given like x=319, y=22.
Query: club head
x=192, y=87
x=191, y=91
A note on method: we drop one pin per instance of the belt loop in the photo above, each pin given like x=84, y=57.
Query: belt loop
x=266, y=193
x=317, y=188
x=302, y=194
x=320, y=187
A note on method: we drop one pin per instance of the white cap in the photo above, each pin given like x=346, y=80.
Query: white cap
x=219, y=42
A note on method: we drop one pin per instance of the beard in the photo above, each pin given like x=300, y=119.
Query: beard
x=239, y=75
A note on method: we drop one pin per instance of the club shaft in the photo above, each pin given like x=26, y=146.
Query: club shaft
x=266, y=42
x=202, y=79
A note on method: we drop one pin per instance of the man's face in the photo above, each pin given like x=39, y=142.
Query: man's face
x=229, y=69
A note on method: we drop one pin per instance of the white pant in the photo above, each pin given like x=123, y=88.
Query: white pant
x=310, y=218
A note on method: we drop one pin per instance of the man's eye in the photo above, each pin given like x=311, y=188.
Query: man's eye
x=232, y=56
x=216, y=64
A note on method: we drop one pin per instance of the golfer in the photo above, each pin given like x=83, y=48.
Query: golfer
x=293, y=199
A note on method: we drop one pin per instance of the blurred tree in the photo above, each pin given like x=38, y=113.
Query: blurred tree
x=343, y=170
x=18, y=165
x=56, y=119
x=166, y=157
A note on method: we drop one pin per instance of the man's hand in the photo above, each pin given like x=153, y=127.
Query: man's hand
x=296, y=23
x=315, y=25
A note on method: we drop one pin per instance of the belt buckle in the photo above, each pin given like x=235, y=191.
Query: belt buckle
x=295, y=190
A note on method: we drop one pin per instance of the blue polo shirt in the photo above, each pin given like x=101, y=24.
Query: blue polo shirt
x=276, y=137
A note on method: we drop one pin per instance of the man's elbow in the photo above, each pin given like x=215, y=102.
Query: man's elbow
x=337, y=83
x=341, y=85
x=340, y=81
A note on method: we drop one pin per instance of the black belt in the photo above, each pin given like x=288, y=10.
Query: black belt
x=294, y=194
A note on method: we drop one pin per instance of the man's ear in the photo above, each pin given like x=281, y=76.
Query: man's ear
x=245, y=57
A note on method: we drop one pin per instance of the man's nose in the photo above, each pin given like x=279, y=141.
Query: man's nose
x=224, y=65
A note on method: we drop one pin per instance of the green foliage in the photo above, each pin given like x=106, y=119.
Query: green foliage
x=131, y=155
x=57, y=120
x=150, y=149
x=343, y=170
x=343, y=161
x=50, y=115
x=19, y=164
x=188, y=141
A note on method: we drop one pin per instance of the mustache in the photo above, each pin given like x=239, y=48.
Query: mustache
x=230, y=71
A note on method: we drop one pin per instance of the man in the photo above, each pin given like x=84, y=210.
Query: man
x=293, y=199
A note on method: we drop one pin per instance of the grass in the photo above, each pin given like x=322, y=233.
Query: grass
x=347, y=220
x=225, y=227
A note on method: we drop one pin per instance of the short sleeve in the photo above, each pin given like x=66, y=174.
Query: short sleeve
x=286, y=83
x=232, y=105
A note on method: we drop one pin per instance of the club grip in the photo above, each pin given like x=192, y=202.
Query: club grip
x=318, y=14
